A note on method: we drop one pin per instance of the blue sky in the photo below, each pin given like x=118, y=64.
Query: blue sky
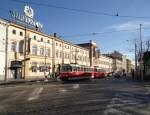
x=67, y=23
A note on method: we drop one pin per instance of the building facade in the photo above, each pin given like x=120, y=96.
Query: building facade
x=3, y=41
x=106, y=63
x=97, y=59
x=129, y=66
x=33, y=54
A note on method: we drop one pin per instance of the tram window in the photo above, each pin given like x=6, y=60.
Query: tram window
x=81, y=68
x=78, y=68
x=91, y=69
x=67, y=69
x=84, y=69
x=74, y=69
x=87, y=69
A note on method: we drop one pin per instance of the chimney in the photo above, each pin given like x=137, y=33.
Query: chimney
x=55, y=34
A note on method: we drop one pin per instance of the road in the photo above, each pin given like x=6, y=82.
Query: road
x=107, y=96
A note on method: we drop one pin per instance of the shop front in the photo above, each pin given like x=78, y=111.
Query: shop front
x=16, y=69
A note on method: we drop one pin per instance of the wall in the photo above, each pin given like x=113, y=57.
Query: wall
x=2, y=48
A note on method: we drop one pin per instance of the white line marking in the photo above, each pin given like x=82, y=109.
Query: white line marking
x=62, y=90
x=76, y=86
x=35, y=94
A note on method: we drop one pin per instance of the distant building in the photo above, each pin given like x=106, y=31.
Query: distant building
x=106, y=63
x=129, y=66
x=93, y=52
x=119, y=61
x=97, y=59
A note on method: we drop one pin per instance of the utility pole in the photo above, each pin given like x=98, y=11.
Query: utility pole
x=141, y=52
x=135, y=75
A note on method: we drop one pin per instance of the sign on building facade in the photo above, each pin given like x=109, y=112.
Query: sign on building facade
x=27, y=18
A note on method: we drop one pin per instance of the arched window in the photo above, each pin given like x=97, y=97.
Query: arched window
x=34, y=50
x=13, y=46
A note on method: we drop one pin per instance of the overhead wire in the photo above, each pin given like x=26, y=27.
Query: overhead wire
x=80, y=10
x=106, y=32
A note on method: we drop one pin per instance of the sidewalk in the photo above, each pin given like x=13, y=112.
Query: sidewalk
x=21, y=81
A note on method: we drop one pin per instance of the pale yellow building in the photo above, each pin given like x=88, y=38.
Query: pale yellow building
x=43, y=54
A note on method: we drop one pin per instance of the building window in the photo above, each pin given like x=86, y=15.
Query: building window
x=48, y=41
x=42, y=67
x=48, y=52
x=56, y=44
x=41, y=39
x=21, y=46
x=34, y=50
x=13, y=46
x=60, y=55
x=59, y=45
x=34, y=67
x=34, y=37
x=57, y=54
x=42, y=51
x=14, y=31
x=21, y=33
x=68, y=56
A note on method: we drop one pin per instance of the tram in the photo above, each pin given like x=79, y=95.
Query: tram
x=75, y=71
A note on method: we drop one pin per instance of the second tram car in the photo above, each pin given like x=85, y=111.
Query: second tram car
x=98, y=72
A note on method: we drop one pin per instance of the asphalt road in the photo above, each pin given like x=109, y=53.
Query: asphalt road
x=107, y=96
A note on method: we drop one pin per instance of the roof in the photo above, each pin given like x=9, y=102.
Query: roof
x=42, y=33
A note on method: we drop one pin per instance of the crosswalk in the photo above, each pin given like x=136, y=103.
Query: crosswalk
x=128, y=104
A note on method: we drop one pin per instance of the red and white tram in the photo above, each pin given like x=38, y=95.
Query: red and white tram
x=75, y=71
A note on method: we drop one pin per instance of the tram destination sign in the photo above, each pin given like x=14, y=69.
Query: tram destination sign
x=27, y=17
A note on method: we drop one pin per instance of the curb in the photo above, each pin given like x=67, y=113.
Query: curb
x=27, y=81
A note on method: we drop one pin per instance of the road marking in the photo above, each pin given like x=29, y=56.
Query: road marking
x=35, y=94
x=76, y=86
x=91, y=101
x=114, y=105
x=62, y=90
x=113, y=111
